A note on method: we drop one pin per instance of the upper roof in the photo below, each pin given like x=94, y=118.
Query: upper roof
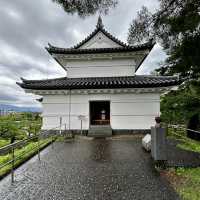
x=119, y=47
x=137, y=81
x=57, y=50
x=100, y=28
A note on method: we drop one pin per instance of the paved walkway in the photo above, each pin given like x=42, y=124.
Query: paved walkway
x=89, y=170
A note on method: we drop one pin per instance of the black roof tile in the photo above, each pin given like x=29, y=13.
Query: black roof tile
x=137, y=81
x=57, y=50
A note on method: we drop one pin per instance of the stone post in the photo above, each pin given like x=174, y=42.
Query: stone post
x=158, y=143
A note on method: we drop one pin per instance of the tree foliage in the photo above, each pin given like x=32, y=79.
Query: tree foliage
x=86, y=7
x=178, y=107
x=140, y=29
x=176, y=25
x=10, y=128
x=18, y=126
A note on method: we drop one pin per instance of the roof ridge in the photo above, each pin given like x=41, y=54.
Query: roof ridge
x=100, y=27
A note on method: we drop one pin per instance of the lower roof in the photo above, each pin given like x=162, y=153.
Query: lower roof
x=137, y=81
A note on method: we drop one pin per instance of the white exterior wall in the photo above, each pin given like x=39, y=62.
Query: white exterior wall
x=127, y=111
x=100, y=68
x=101, y=64
x=100, y=41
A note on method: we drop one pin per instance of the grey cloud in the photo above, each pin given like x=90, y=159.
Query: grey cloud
x=156, y=56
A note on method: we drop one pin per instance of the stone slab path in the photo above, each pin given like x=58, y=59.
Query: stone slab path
x=89, y=170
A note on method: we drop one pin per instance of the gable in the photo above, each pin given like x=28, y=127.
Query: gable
x=100, y=40
x=100, y=44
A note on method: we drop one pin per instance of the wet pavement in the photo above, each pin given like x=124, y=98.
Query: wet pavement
x=89, y=170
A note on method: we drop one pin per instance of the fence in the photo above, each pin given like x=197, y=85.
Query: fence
x=11, y=148
x=182, y=132
x=165, y=152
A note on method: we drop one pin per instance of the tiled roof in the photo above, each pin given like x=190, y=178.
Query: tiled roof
x=137, y=81
x=147, y=46
x=99, y=27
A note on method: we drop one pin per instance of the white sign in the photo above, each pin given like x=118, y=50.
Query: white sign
x=81, y=117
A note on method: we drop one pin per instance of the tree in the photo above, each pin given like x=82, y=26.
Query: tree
x=18, y=126
x=32, y=123
x=32, y=127
x=176, y=25
x=140, y=29
x=86, y=7
x=181, y=105
x=10, y=128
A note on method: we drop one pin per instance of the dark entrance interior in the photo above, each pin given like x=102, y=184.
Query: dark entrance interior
x=99, y=113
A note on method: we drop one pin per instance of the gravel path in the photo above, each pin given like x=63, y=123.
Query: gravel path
x=89, y=170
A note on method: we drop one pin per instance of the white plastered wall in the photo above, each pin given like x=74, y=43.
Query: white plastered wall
x=127, y=111
x=100, y=41
x=100, y=68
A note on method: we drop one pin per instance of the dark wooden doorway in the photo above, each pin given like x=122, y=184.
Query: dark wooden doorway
x=99, y=112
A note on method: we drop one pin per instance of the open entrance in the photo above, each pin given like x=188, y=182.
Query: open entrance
x=99, y=113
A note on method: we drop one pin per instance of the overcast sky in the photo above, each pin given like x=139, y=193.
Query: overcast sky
x=27, y=27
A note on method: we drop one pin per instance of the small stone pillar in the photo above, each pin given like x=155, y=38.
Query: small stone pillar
x=158, y=142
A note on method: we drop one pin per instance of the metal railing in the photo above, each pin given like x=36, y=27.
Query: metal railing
x=182, y=128
x=11, y=148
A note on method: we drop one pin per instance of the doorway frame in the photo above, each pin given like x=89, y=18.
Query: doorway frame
x=90, y=101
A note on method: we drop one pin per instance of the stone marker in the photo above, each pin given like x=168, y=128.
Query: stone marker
x=158, y=145
x=146, y=142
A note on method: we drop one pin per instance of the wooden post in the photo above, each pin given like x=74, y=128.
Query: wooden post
x=69, y=110
x=65, y=133
x=81, y=118
x=81, y=126
x=60, y=126
x=13, y=164
x=52, y=141
x=38, y=144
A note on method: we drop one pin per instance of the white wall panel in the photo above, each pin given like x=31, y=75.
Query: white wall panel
x=135, y=108
x=132, y=122
x=79, y=109
x=101, y=71
x=100, y=41
x=128, y=111
x=55, y=108
x=100, y=68
x=55, y=99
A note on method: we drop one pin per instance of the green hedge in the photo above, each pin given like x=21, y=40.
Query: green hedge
x=27, y=152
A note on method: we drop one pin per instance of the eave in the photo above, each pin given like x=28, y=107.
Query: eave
x=65, y=83
x=57, y=50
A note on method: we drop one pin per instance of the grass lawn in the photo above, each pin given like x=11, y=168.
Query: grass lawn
x=26, y=152
x=3, y=142
x=186, y=181
x=190, y=187
x=190, y=145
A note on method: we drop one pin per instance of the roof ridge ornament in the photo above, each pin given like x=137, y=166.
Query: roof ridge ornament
x=99, y=22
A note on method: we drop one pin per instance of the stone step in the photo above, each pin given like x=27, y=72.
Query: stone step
x=100, y=131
